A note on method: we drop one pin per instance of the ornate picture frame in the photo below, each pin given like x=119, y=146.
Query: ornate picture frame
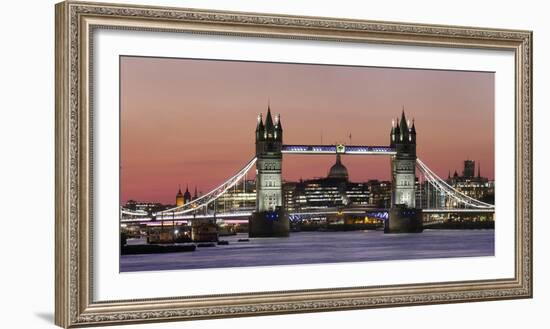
x=75, y=24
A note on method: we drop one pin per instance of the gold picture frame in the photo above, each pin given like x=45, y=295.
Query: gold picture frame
x=76, y=21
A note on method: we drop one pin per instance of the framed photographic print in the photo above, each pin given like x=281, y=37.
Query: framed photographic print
x=218, y=164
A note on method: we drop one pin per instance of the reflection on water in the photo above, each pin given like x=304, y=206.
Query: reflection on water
x=321, y=247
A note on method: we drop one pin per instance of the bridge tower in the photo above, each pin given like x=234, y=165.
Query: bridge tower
x=270, y=218
x=404, y=216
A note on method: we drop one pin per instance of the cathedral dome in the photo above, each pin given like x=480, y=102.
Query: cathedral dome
x=338, y=170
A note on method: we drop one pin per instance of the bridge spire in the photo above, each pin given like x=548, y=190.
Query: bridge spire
x=397, y=130
x=404, y=127
x=278, y=128
x=413, y=132
x=260, y=128
x=269, y=126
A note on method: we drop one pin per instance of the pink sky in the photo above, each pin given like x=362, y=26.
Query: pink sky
x=192, y=122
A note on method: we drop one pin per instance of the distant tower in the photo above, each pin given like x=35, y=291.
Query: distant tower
x=179, y=198
x=269, y=219
x=469, y=169
x=187, y=195
x=404, y=217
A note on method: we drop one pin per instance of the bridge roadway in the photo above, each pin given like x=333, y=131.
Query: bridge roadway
x=187, y=211
x=342, y=149
x=247, y=213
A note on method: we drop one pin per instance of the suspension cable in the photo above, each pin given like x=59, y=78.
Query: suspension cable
x=214, y=194
x=445, y=188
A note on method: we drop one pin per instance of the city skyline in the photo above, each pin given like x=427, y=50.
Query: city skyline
x=167, y=103
x=195, y=192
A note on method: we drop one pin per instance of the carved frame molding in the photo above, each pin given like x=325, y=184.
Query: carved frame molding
x=76, y=22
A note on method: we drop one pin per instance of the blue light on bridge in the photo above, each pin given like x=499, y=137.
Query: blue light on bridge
x=408, y=212
x=369, y=149
x=378, y=214
x=309, y=148
x=295, y=148
x=357, y=149
x=272, y=215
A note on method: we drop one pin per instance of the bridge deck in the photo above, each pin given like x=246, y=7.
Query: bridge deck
x=342, y=149
x=464, y=210
x=301, y=213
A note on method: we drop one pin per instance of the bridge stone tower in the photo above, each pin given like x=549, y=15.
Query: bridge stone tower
x=404, y=217
x=270, y=218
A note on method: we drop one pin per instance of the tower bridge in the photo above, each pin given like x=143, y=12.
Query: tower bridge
x=404, y=216
x=269, y=218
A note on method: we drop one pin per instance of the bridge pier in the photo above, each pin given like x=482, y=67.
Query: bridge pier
x=404, y=220
x=269, y=224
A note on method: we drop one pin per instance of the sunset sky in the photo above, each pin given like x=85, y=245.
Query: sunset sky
x=192, y=122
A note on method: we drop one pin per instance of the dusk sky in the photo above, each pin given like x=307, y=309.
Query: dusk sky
x=192, y=122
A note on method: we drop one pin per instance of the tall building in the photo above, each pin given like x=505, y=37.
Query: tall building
x=469, y=169
x=474, y=186
x=379, y=193
x=334, y=191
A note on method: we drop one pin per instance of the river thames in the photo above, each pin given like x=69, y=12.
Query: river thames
x=320, y=247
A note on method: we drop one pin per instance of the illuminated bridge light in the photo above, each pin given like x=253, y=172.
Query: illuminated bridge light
x=295, y=218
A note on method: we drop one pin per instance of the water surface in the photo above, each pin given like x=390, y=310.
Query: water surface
x=321, y=247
